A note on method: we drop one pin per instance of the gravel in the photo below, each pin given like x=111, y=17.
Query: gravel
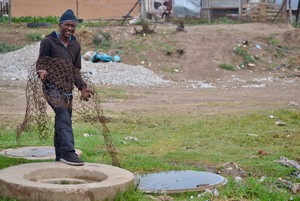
x=15, y=66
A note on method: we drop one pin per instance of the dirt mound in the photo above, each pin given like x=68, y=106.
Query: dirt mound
x=206, y=47
x=292, y=37
x=272, y=81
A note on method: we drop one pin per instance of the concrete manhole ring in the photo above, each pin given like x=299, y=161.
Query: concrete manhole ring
x=33, y=152
x=54, y=181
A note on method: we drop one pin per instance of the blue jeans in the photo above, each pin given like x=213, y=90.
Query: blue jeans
x=62, y=107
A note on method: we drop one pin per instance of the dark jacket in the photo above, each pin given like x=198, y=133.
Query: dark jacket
x=52, y=47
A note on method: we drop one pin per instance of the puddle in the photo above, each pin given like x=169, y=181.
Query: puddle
x=179, y=181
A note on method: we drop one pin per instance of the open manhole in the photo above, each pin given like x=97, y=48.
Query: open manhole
x=33, y=152
x=65, y=176
x=179, y=181
x=54, y=181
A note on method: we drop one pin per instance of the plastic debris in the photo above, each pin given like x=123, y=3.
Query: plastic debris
x=258, y=46
x=86, y=135
x=280, y=123
x=289, y=163
x=131, y=138
x=238, y=179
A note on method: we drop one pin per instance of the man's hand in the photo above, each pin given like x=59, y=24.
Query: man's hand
x=42, y=74
x=86, y=94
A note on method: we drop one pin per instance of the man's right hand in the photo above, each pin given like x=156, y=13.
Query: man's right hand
x=42, y=74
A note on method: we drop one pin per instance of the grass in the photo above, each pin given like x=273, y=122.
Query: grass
x=5, y=47
x=34, y=37
x=248, y=58
x=273, y=40
x=227, y=66
x=102, y=39
x=195, y=142
x=179, y=141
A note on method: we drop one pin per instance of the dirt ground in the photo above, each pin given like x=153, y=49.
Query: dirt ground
x=272, y=83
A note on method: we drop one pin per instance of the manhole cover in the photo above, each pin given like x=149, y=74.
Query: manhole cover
x=33, y=152
x=179, y=181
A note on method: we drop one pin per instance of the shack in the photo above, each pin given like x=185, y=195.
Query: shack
x=219, y=8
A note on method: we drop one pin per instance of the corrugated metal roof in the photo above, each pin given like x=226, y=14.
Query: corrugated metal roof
x=220, y=3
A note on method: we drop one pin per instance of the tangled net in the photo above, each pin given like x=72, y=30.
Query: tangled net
x=60, y=80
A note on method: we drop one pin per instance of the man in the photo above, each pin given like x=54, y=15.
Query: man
x=58, y=67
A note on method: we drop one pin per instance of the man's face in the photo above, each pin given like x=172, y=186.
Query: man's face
x=67, y=28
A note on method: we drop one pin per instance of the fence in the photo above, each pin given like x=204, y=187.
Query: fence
x=3, y=8
x=262, y=11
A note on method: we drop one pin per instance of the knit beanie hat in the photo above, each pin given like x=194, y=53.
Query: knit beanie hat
x=68, y=16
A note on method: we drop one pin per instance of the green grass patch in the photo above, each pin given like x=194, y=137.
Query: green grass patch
x=31, y=19
x=194, y=142
x=226, y=66
x=114, y=93
x=102, y=39
x=273, y=40
x=34, y=37
x=248, y=58
x=5, y=47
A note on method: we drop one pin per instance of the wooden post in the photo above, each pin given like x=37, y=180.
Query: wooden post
x=297, y=16
x=138, y=1
x=290, y=12
x=208, y=10
x=284, y=13
x=283, y=7
x=9, y=12
x=240, y=8
x=143, y=9
x=77, y=8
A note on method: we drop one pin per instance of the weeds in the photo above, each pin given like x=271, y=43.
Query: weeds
x=248, y=58
x=34, y=37
x=226, y=66
x=173, y=142
x=30, y=19
x=273, y=40
x=102, y=39
x=5, y=47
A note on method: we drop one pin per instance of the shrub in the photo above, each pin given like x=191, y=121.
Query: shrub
x=5, y=47
x=248, y=58
x=228, y=67
x=34, y=37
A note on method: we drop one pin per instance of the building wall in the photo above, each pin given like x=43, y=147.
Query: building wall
x=87, y=9
x=220, y=3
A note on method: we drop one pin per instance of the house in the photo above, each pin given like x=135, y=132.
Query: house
x=219, y=8
x=253, y=9
x=186, y=8
x=84, y=9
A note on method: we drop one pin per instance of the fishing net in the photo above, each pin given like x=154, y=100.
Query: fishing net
x=57, y=90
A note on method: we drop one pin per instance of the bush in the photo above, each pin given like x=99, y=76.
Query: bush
x=29, y=19
x=227, y=67
x=248, y=58
x=34, y=37
x=102, y=39
x=5, y=47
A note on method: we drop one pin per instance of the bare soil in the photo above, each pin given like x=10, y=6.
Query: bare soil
x=271, y=84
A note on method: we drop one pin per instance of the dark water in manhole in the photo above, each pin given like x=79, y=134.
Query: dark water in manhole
x=179, y=181
x=67, y=181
